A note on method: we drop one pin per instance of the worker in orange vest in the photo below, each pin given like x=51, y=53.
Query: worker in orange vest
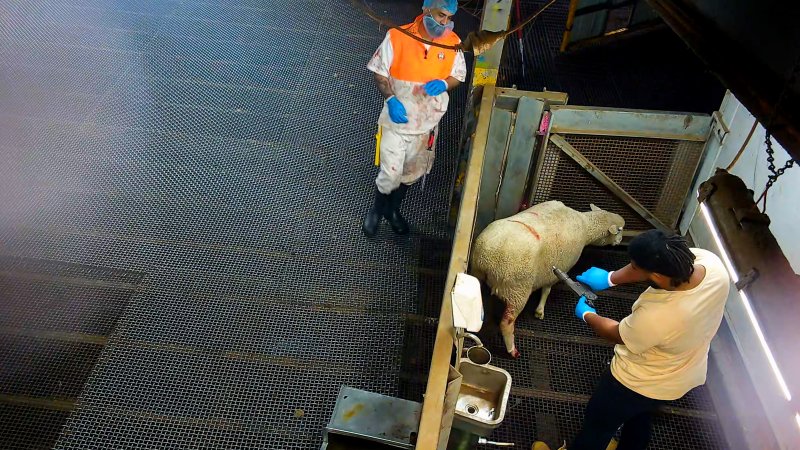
x=414, y=78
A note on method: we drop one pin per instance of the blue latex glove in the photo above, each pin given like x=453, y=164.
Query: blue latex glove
x=397, y=112
x=581, y=309
x=435, y=87
x=596, y=278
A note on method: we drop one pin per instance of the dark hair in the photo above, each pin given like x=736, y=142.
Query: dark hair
x=669, y=255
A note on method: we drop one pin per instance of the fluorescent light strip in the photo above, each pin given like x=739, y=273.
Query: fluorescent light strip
x=797, y=419
x=747, y=306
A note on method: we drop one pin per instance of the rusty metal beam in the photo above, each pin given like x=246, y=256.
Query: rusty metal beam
x=496, y=17
x=573, y=7
x=775, y=293
x=600, y=176
x=568, y=397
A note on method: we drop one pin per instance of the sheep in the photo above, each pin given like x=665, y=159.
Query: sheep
x=515, y=256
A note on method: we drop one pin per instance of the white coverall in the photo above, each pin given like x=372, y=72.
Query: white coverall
x=403, y=151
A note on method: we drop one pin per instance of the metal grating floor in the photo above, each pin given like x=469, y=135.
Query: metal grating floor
x=55, y=322
x=223, y=150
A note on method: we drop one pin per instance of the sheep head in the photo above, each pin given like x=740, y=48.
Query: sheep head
x=607, y=227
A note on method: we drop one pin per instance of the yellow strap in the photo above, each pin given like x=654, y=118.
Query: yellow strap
x=378, y=146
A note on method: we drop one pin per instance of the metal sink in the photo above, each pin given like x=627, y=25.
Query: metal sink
x=483, y=398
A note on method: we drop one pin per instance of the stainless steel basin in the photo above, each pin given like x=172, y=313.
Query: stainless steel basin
x=482, y=400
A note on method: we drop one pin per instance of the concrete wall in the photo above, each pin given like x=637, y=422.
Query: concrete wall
x=783, y=207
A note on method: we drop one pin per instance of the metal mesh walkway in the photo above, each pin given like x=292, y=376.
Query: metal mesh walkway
x=222, y=153
x=181, y=265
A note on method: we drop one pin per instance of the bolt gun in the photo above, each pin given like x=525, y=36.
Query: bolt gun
x=577, y=287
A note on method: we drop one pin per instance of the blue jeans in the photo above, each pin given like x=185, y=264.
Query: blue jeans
x=613, y=405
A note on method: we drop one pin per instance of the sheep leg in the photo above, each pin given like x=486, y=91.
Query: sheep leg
x=540, y=308
x=507, y=329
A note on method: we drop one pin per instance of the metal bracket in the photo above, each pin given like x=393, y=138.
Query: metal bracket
x=747, y=279
x=705, y=191
x=716, y=116
x=751, y=215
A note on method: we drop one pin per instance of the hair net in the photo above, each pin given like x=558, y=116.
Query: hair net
x=450, y=6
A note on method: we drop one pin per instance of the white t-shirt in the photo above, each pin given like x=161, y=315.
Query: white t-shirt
x=382, y=60
x=668, y=335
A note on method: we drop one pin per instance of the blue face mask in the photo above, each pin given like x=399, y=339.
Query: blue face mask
x=434, y=28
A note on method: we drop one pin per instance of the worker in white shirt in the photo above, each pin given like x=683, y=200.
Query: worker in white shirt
x=662, y=346
x=414, y=78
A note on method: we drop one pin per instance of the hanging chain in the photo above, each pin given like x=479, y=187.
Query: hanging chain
x=776, y=173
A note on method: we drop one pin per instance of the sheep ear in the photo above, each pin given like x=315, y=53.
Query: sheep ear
x=613, y=229
x=594, y=207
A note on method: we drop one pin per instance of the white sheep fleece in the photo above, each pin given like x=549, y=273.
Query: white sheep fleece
x=515, y=255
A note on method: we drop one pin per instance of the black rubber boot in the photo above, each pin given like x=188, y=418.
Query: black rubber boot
x=373, y=217
x=392, y=213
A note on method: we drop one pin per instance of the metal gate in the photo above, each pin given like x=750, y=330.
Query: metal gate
x=639, y=164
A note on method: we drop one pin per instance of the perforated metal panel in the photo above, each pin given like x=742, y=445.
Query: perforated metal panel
x=581, y=189
x=655, y=172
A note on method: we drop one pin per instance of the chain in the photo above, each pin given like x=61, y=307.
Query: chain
x=771, y=163
x=776, y=173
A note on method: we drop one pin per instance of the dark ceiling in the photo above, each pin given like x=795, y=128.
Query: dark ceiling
x=754, y=49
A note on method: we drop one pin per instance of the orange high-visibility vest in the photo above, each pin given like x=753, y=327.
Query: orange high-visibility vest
x=412, y=62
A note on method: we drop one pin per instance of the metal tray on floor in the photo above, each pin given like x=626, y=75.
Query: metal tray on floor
x=374, y=417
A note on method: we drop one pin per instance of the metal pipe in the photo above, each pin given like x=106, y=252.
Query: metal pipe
x=484, y=441
x=474, y=338
x=573, y=7
x=763, y=275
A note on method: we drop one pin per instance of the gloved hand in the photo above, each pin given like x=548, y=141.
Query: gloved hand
x=397, y=112
x=581, y=309
x=435, y=87
x=596, y=278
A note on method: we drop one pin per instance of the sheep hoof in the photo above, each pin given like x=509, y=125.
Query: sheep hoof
x=539, y=314
x=514, y=353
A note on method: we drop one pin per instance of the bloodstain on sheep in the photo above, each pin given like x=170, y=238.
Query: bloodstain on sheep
x=508, y=315
x=530, y=229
